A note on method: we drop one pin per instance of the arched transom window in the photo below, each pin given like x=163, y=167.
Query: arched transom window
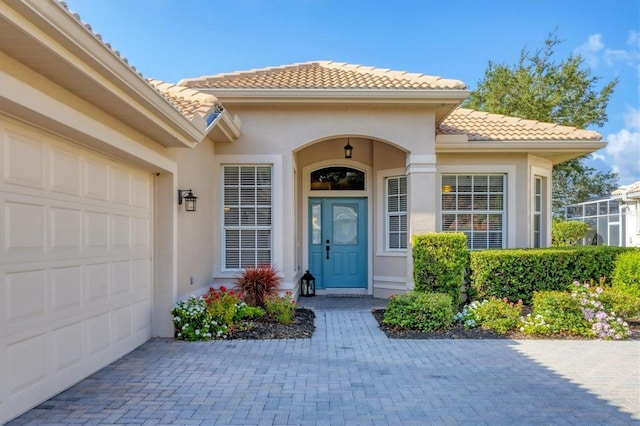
x=337, y=179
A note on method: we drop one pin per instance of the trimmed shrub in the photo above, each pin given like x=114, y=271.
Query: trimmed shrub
x=420, y=311
x=498, y=315
x=568, y=233
x=626, y=275
x=439, y=262
x=256, y=284
x=517, y=273
x=556, y=312
x=626, y=305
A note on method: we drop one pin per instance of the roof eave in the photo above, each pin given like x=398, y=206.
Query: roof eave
x=555, y=151
x=320, y=95
x=79, y=60
x=225, y=128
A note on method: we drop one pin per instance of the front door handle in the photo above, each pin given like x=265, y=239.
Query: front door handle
x=327, y=248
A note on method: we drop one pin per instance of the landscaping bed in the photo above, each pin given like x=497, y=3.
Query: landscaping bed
x=459, y=331
x=302, y=327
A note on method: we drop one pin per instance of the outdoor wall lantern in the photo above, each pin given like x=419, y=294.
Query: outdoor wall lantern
x=189, y=200
x=348, y=150
x=307, y=285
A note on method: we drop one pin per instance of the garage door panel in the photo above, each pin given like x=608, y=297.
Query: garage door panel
x=66, y=288
x=23, y=160
x=24, y=227
x=141, y=191
x=120, y=190
x=97, y=333
x=120, y=232
x=65, y=171
x=67, y=347
x=96, y=179
x=142, y=316
x=24, y=296
x=66, y=226
x=96, y=283
x=26, y=363
x=141, y=276
x=122, y=320
x=120, y=278
x=96, y=237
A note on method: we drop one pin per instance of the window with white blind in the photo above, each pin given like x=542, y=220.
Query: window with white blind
x=396, y=212
x=537, y=213
x=475, y=205
x=247, y=225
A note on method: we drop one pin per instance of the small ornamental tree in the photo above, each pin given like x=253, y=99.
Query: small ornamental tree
x=568, y=233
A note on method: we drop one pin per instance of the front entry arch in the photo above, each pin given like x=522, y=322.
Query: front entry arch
x=338, y=242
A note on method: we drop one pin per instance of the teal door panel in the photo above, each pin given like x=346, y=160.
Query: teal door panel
x=338, y=242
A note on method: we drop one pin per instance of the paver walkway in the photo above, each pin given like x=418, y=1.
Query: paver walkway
x=350, y=373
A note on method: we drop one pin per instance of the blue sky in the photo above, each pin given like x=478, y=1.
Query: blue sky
x=175, y=39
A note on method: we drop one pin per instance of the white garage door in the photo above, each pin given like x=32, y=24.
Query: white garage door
x=75, y=264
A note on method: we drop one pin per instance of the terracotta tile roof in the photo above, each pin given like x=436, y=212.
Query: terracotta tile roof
x=185, y=100
x=188, y=101
x=483, y=126
x=633, y=188
x=323, y=75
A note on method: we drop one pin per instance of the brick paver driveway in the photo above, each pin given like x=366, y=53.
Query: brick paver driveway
x=349, y=373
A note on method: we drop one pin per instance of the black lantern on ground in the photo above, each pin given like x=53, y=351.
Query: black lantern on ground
x=307, y=285
x=348, y=150
x=189, y=200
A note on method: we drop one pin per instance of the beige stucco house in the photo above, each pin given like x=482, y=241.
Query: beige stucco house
x=95, y=249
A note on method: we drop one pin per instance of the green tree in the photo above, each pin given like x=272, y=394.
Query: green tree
x=540, y=88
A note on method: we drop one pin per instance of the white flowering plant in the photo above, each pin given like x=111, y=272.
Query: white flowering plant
x=579, y=313
x=193, y=321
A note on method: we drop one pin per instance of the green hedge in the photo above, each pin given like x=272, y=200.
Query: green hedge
x=439, y=262
x=626, y=275
x=517, y=273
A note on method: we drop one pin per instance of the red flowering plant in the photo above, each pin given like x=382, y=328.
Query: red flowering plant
x=228, y=307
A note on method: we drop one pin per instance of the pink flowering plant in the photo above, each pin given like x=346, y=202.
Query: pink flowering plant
x=604, y=325
x=579, y=313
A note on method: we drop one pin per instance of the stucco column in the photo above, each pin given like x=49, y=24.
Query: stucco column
x=421, y=201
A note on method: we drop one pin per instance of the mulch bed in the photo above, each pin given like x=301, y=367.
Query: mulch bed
x=458, y=331
x=302, y=327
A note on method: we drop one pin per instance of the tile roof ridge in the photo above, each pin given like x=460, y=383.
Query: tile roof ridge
x=387, y=72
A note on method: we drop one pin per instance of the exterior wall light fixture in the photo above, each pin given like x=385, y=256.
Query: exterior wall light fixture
x=348, y=150
x=189, y=200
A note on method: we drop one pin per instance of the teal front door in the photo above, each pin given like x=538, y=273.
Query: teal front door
x=338, y=242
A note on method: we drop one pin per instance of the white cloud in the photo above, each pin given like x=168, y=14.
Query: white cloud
x=623, y=149
x=594, y=52
x=589, y=50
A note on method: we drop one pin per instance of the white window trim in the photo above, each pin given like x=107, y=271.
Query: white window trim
x=510, y=181
x=277, y=216
x=381, y=212
x=545, y=174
